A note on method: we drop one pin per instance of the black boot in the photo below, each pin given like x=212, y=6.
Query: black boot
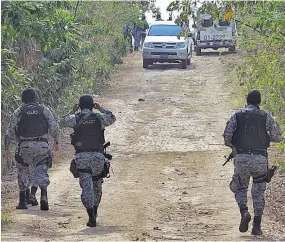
x=27, y=195
x=256, y=230
x=245, y=219
x=32, y=198
x=44, y=200
x=92, y=217
x=22, y=202
x=95, y=211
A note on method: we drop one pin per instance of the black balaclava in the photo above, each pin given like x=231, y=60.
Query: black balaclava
x=28, y=95
x=254, y=98
x=86, y=101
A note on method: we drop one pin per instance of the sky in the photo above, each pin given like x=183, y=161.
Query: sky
x=162, y=4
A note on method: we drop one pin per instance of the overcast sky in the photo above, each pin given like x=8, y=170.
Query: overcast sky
x=162, y=4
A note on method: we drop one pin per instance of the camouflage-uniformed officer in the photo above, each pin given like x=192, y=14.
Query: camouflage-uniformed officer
x=88, y=140
x=249, y=133
x=136, y=32
x=31, y=124
x=128, y=35
x=145, y=27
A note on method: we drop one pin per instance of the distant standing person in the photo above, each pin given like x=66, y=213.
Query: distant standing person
x=145, y=27
x=249, y=133
x=136, y=32
x=128, y=35
x=158, y=17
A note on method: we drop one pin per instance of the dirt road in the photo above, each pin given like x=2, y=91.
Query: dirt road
x=168, y=181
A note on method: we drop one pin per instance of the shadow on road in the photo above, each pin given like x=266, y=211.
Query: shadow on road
x=216, y=53
x=99, y=230
x=169, y=66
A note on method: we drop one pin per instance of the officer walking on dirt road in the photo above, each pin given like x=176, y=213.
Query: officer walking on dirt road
x=88, y=141
x=249, y=133
x=31, y=124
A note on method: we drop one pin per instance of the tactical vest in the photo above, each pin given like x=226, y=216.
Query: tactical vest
x=88, y=135
x=251, y=130
x=33, y=122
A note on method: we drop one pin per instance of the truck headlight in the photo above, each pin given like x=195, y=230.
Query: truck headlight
x=180, y=45
x=148, y=44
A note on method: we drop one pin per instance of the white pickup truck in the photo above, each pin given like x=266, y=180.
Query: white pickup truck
x=163, y=45
x=213, y=34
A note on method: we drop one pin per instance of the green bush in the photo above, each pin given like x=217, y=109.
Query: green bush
x=264, y=48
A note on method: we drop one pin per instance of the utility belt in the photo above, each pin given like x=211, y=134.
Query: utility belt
x=270, y=172
x=47, y=159
x=91, y=150
x=34, y=139
x=106, y=169
x=253, y=151
x=104, y=174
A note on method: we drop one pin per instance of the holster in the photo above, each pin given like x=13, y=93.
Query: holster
x=47, y=160
x=108, y=156
x=265, y=177
x=105, y=173
x=73, y=139
x=73, y=169
x=19, y=159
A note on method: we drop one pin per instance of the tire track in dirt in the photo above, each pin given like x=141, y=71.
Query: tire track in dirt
x=168, y=182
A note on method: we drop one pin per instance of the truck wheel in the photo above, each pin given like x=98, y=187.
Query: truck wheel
x=184, y=64
x=145, y=63
x=198, y=51
x=232, y=49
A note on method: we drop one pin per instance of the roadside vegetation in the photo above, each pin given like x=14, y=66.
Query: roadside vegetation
x=5, y=219
x=61, y=48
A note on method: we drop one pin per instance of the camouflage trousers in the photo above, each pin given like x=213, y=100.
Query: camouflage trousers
x=91, y=189
x=32, y=153
x=247, y=165
x=137, y=39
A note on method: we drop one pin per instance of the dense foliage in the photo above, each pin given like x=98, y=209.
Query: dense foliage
x=61, y=48
x=262, y=40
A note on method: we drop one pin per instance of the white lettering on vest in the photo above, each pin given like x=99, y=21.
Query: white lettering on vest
x=33, y=112
x=89, y=122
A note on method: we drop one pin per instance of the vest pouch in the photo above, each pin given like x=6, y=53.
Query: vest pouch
x=19, y=159
x=73, y=138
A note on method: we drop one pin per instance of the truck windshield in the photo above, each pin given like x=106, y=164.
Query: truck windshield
x=164, y=30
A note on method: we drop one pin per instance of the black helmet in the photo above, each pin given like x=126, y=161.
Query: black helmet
x=28, y=95
x=86, y=101
x=254, y=97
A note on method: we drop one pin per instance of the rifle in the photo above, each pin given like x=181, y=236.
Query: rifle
x=231, y=156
